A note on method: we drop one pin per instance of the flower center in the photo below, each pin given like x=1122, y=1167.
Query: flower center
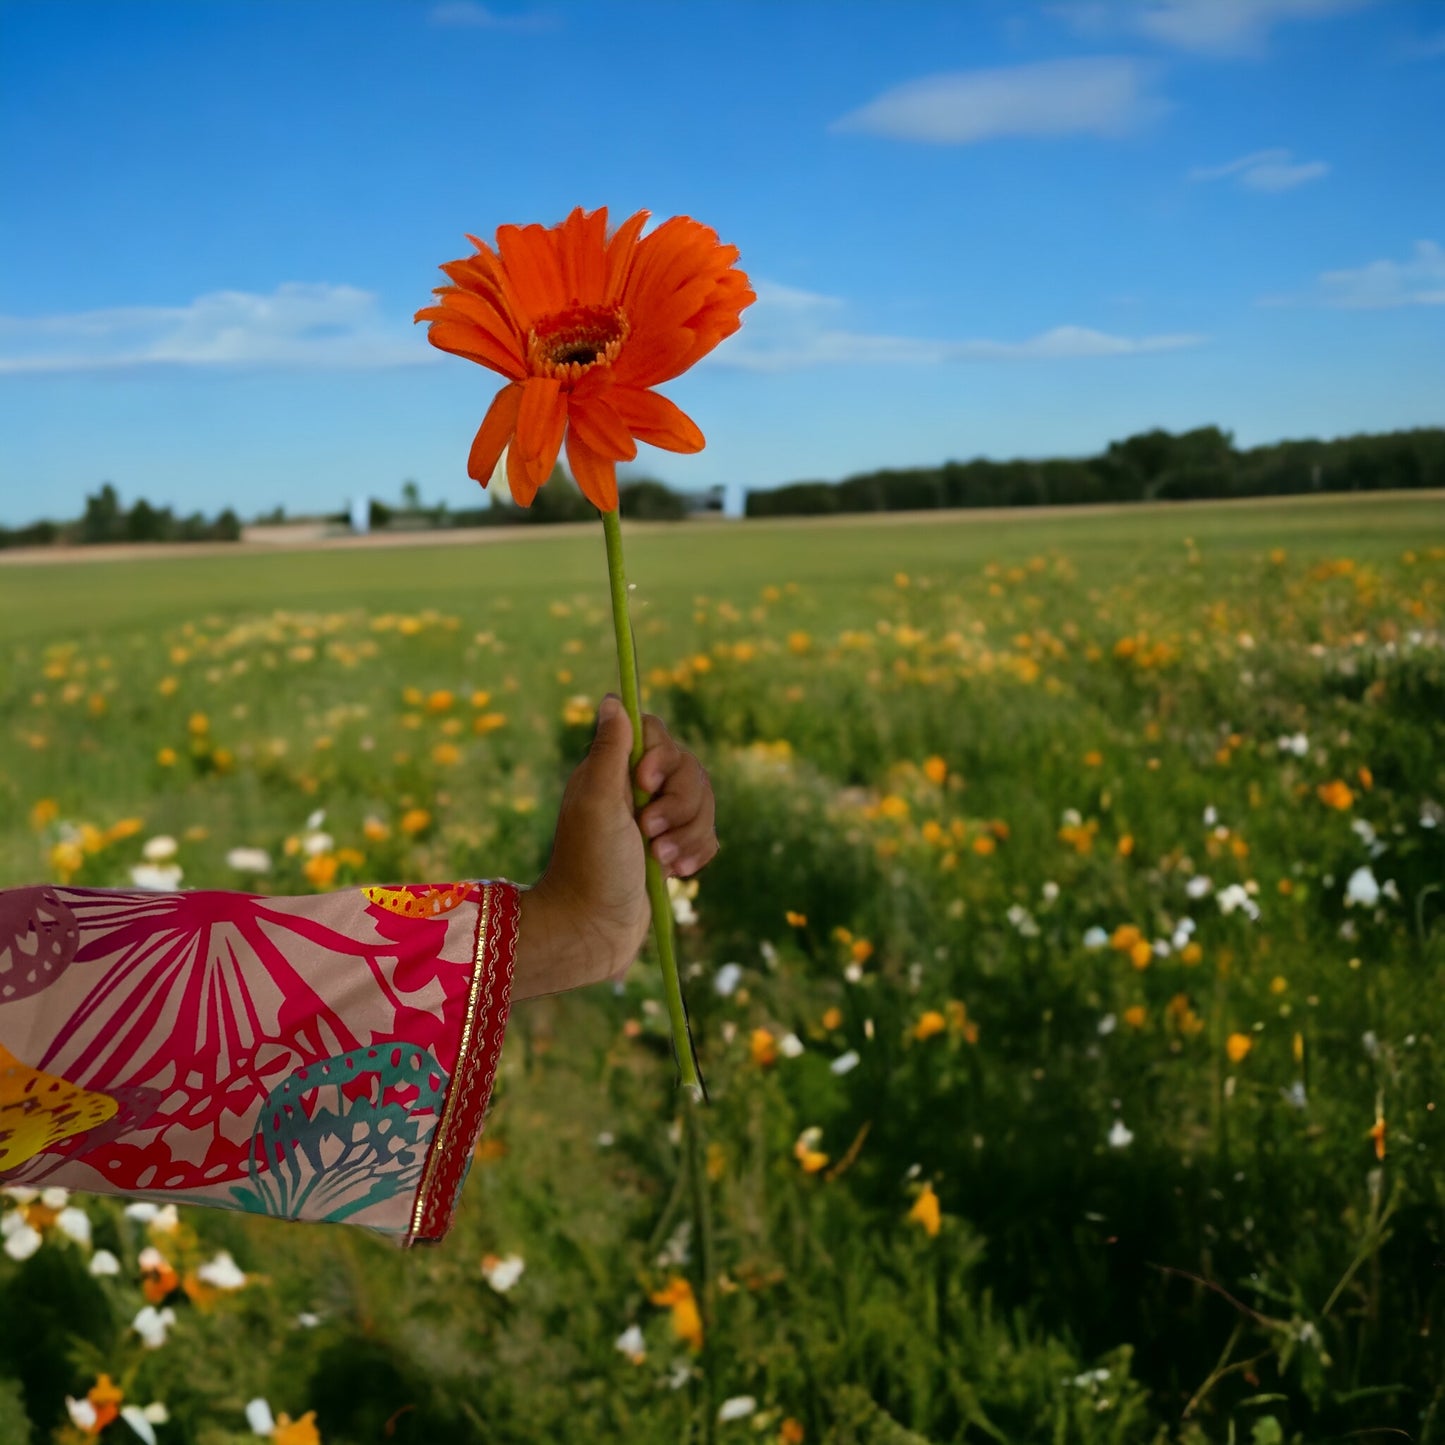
x=566, y=343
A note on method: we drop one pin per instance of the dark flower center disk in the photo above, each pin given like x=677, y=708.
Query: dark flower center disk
x=567, y=343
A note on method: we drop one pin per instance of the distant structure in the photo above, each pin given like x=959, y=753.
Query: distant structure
x=361, y=515
x=711, y=502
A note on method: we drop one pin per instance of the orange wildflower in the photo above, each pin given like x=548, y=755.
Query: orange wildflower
x=833, y=1018
x=796, y=920
x=1336, y=794
x=686, y=1321
x=583, y=325
x=763, y=1047
x=1377, y=1133
x=1237, y=1046
x=932, y=1022
x=926, y=1211
x=296, y=1432
x=791, y=1432
x=105, y=1399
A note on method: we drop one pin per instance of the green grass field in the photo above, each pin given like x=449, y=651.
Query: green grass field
x=1112, y=847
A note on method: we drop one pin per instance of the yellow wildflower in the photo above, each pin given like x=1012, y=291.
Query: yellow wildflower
x=799, y=643
x=320, y=870
x=374, y=830
x=166, y=757
x=932, y=1022
x=926, y=1212
x=46, y=811
x=1191, y=953
x=893, y=806
x=1126, y=845
x=796, y=920
x=833, y=1018
x=1124, y=937
x=1141, y=955
x=935, y=769
x=763, y=1047
x=415, y=820
x=861, y=950
x=440, y=701
x=1135, y=1015
x=806, y=1150
x=1237, y=1046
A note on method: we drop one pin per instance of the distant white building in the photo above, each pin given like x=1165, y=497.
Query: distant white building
x=361, y=515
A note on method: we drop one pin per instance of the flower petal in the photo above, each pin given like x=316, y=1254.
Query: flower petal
x=462, y=338
x=599, y=426
x=595, y=475
x=494, y=433
x=654, y=419
x=621, y=251
x=530, y=259
x=541, y=420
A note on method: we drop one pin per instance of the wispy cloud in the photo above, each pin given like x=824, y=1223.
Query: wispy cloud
x=299, y=325
x=792, y=330
x=470, y=15
x=1221, y=27
x=1419, y=280
x=1272, y=170
x=1105, y=95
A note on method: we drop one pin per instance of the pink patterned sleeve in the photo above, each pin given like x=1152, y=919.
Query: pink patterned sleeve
x=322, y=1058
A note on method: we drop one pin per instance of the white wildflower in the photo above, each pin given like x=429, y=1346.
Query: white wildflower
x=1120, y=1136
x=21, y=1195
x=1211, y=816
x=1107, y=1025
x=260, y=1418
x=151, y=1325
x=632, y=1344
x=316, y=820
x=156, y=877
x=844, y=1062
x=159, y=849
x=1050, y=891
x=21, y=1239
x=790, y=1046
x=104, y=1262
x=681, y=895
x=314, y=844
x=1199, y=886
x=55, y=1197
x=502, y=1274
x=82, y=1414
x=74, y=1224
x=1096, y=938
x=727, y=978
x=1023, y=921
x=1236, y=898
x=1362, y=888
x=135, y=1417
x=249, y=860
x=737, y=1408
x=1298, y=744
x=221, y=1272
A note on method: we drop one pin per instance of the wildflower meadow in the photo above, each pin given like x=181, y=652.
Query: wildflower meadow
x=1067, y=987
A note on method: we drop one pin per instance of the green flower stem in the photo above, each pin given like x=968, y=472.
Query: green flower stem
x=656, y=884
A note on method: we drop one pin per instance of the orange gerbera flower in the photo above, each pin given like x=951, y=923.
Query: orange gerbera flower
x=583, y=325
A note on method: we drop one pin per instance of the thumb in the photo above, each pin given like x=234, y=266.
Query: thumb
x=612, y=742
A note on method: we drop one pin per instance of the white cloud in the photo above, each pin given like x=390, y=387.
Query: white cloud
x=1105, y=96
x=298, y=325
x=1417, y=281
x=1211, y=26
x=469, y=15
x=792, y=330
x=1272, y=170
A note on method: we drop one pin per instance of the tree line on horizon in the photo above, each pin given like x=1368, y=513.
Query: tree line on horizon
x=1153, y=466
x=106, y=520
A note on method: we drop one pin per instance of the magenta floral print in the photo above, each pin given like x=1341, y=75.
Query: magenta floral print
x=326, y=1057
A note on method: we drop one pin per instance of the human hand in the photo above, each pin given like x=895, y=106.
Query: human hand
x=587, y=916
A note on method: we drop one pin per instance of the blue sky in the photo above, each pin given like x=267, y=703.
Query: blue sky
x=993, y=228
